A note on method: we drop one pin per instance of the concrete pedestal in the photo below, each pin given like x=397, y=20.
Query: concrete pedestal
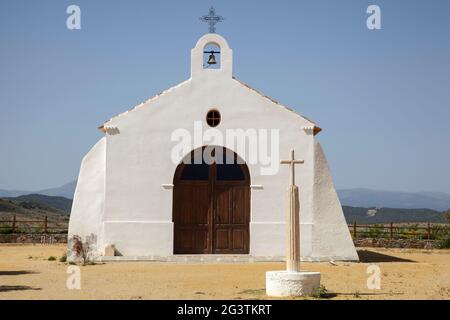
x=291, y=283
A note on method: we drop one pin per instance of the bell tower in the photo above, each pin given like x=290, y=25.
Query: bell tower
x=211, y=56
x=224, y=57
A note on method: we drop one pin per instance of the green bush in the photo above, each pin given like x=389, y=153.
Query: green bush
x=435, y=232
x=376, y=231
x=63, y=258
x=444, y=243
x=321, y=292
x=51, y=258
x=7, y=229
x=444, y=238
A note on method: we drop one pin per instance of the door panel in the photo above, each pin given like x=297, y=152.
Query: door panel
x=223, y=204
x=221, y=240
x=238, y=237
x=241, y=202
x=191, y=217
x=232, y=216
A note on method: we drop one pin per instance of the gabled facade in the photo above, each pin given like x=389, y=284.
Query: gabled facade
x=135, y=193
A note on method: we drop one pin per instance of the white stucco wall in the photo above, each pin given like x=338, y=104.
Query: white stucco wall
x=331, y=237
x=88, y=202
x=137, y=213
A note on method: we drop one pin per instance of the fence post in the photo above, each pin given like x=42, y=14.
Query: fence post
x=14, y=224
x=392, y=230
x=428, y=231
x=45, y=225
x=354, y=230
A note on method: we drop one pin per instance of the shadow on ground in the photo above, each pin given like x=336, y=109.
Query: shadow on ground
x=16, y=272
x=17, y=288
x=328, y=295
x=370, y=256
x=361, y=294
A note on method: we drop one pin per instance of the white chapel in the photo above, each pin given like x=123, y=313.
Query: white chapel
x=142, y=190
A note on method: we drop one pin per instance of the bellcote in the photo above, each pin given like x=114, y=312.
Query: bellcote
x=224, y=58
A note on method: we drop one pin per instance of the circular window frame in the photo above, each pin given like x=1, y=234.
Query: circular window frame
x=213, y=119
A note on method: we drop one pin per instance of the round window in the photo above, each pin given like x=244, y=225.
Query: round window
x=213, y=118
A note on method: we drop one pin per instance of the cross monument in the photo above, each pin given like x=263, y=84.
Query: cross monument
x=293, y=218
x=292, y=282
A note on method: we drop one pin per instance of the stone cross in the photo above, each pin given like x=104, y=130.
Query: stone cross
x=293, y=219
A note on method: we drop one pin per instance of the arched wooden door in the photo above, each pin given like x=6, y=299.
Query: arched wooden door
x=211, y=208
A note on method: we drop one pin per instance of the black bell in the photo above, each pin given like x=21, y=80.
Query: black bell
x=212, y=59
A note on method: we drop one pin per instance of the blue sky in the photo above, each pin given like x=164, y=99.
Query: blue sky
x=382, y=97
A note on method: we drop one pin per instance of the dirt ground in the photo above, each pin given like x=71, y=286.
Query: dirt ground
x=26, y=273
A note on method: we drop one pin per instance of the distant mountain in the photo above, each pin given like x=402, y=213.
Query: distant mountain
x=66, y=191
x=13, y=193
x=387, y=215
x=391, y=199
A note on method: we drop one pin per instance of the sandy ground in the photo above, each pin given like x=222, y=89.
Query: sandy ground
x=26, y=273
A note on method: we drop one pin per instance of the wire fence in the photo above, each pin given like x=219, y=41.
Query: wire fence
x=426, y=231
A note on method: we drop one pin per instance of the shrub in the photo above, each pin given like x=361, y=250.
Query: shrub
x=321, y=292
x=444, y=238
x=435, y=232
x=7, y=229
x=444, y=243
x=63, y=258
x=376, y=231
x=51, y=258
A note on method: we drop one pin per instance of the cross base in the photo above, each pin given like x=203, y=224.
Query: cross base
x=292, y=284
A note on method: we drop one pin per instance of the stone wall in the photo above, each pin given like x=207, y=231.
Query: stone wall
x=33, y=238
x=396, y=243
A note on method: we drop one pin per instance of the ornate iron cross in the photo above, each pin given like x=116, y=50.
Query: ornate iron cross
x=212, y=19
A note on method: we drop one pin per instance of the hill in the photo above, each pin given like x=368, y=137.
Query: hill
x=368, y=205
x=360, y=197
x=67, y=191
x=12, y=193
x=386, y=215
x=29, y=209
x=49, y=202
x=367, y=198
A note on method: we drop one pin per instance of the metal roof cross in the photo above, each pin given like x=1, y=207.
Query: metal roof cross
x=212, y=19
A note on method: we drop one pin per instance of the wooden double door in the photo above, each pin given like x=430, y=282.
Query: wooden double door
x=211, y=209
